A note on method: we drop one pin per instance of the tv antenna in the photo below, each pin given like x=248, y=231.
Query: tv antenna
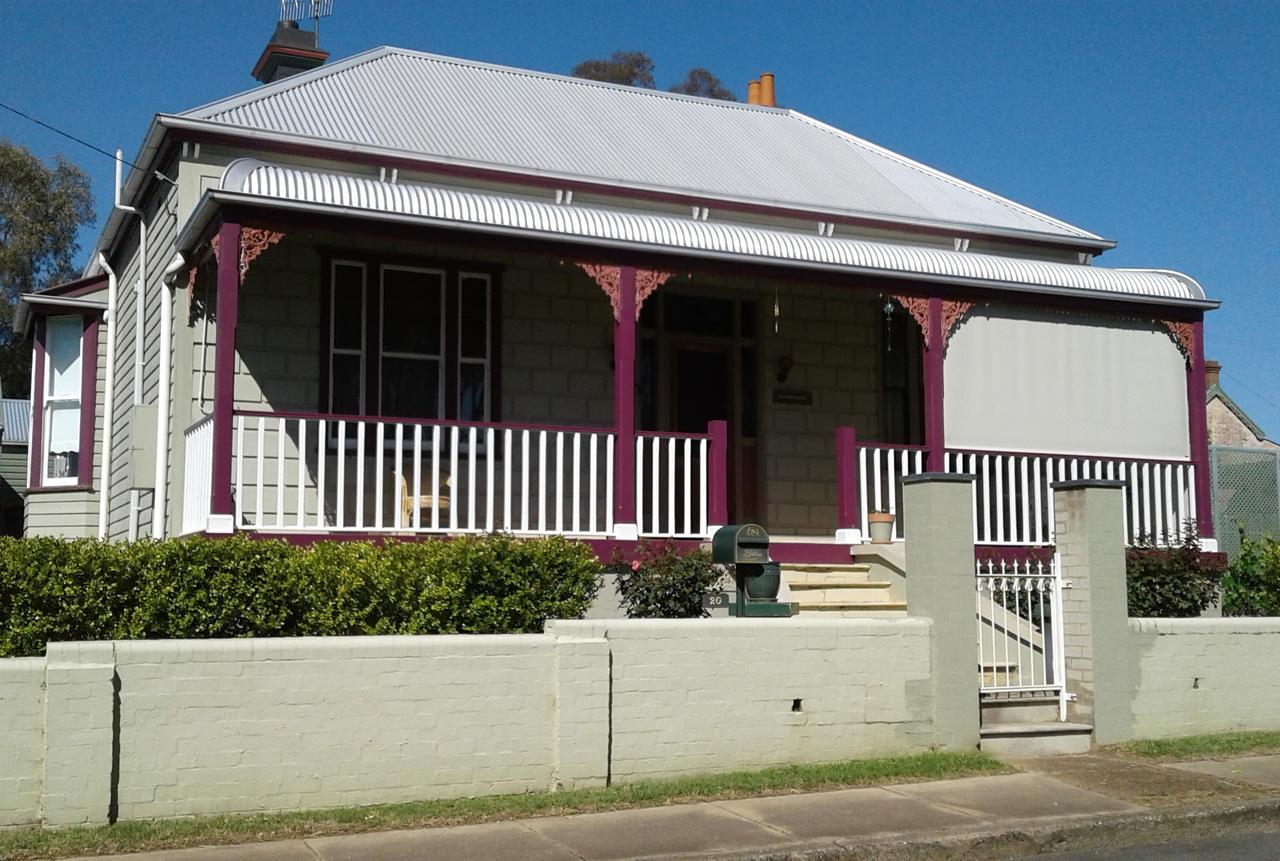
x=297, y=10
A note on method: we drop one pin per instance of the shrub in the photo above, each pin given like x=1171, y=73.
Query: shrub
x=662, y=583
x=1251, y=586
x=1178, y=581
x=53, y=590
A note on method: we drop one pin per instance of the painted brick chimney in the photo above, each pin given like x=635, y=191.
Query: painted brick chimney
x=290, y=51
x=1211, y=371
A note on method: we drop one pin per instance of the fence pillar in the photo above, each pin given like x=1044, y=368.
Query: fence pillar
x=624, y=407
x=79, y=734
x=848, y=526
x=1089, y=533
x=941, y=587
x=1197, y=410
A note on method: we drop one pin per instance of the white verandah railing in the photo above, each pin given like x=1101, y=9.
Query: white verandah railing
x=300, y=472
x=1020, y=626
x=197, y=475
x=1013, y=499
x=671, y=484
x=881, y=468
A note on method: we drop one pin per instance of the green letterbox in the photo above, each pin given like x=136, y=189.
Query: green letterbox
x=740, y=544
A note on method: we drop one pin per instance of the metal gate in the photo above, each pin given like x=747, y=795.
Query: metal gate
x=1020, y=628
x=1246, y=494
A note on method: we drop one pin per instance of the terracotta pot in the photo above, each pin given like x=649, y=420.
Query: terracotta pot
x=880, y=526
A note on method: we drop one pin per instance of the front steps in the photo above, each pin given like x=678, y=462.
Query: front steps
x=1027, y=725
x=846, y=591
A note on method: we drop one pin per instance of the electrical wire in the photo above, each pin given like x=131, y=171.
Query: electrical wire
x=1251, y=390
x=157, y=174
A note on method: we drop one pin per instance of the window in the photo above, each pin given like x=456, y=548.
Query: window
x=410, y=341
x=66, y=369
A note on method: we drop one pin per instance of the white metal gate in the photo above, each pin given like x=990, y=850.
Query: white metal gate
x=1020, y=627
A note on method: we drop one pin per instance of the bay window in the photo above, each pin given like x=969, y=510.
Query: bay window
x=65, y=376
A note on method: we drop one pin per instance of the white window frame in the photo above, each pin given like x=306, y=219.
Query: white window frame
x=51, y=402
x=334, y=350
x=486, y=362
x=439, y=358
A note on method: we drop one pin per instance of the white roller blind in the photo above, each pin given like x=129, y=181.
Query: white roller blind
x=1065, y=383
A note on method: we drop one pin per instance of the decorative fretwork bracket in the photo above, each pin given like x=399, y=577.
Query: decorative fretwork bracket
x=609, y=279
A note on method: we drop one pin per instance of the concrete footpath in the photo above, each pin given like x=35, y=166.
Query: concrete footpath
x=1076, y=802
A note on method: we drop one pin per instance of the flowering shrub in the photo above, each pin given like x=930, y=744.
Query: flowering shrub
x=1178, y=581
x=657, y=581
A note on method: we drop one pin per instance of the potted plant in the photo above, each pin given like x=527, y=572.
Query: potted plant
x=880, y=526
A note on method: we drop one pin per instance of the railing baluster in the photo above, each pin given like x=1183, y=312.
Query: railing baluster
x=609, y=442
x=688, y=487
x=506, y=478
x=542, y=481
x=987, y=497
x=437, y=489
x=1024, y=490
x=258, y=470
x=703, y=467
x=656, y=487
x=524, y=481
x=453, y=478
x=577, y=483
x=640, y=485
x=472, y=454
x=671, y=486
x=417, y=479
x=360, y=467
x=280, y=432
x=379, y=454
x=875, y=467
x=321, y=457
x=489, y=490
x=399, y=466
x=592, y=481
x=239, y=500
x=559, y=482
x=302, y=473
x=864, y=501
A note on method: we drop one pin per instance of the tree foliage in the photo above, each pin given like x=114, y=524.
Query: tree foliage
x=1178, y=581
x=41, y=209
x=635, y=69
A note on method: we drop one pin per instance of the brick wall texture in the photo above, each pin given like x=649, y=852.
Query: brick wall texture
x=1225, y=428
x=22, y=754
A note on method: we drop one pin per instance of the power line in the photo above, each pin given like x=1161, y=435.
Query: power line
x=157, y=174
x=1233, y=378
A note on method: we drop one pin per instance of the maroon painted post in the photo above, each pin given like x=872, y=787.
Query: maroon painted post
x=224, y=368
x=38, y=466
x=624, y=407
x=847, y=521
x=1199, y=430
x=718, y=473
x=935, y=347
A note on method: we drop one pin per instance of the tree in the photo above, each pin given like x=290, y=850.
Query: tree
x=41, y=209
x=635, y=69
x=700, y=82
x=632, y=68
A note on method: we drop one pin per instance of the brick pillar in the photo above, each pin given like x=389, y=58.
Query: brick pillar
x=582, y=692
x=79, y=734
x=1089, y=525
x=941, y=586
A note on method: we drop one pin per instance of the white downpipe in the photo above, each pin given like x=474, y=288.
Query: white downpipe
x=160, y=498
x=109, y=399
x=138, y=309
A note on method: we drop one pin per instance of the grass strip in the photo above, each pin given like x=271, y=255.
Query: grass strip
x=40, y=843
x=1203, y=746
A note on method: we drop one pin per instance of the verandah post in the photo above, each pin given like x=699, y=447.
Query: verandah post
x=624, y=373
x=221, y=509
x=718, y=475
x=935, y=347
x=1199, y=431
x=848, y=528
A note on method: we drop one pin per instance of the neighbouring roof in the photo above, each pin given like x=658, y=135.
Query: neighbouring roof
x=14, y=413
x=253, y=181
x=457, y=111
x=1217, y=392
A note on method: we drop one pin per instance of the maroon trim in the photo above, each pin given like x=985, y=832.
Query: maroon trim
x=846, y=478
x=717, y=473
x=79, y=287
x=624, y=398
x=293, y=414
x=224, y=364
x=78, y=487
x=625, y=192
x=1197, y=412
x=676, y=434
x=36, y=441
x=88, y=399
x=934, y=438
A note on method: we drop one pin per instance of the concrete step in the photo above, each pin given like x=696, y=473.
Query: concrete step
x=847, y=606
x=866, y=612
x=1037, y=739
x=1019, y=710
x=869, y=591
x=827, y=568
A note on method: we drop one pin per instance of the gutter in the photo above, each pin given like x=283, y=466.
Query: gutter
x=213, y=199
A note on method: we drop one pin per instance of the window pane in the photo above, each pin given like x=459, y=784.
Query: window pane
x=471, y=386
x=348, y=306
x=62, y=346
x=411, y=388
x=475, y=317
x=698, y=315
x=345, y=399
x=747, y=328
x=411, y=312
x=63, y=440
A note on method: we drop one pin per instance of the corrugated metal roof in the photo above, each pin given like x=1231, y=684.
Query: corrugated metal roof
x=15, y=414
x=461, y=111
x=689, y=235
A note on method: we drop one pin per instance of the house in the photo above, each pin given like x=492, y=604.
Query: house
x=406, y=294
x=1229, y=425
x=15, y=421
x=1245, y=469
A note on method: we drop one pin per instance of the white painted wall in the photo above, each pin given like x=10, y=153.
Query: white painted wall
x=22, y=753
x=1023, y=380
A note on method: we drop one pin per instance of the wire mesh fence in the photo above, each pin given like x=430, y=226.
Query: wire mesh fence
x=1246, y=494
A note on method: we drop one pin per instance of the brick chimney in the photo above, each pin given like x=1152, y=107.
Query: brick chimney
x=290, y=51
x=1211, y=371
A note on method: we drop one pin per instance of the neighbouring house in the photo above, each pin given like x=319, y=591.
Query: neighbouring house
x=406, y=294
x=15, y=421
x=1229, y=425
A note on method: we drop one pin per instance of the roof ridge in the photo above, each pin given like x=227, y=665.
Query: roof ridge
x=934, y=172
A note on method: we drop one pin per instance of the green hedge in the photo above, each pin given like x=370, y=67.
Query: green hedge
x=53, y=590
x=1178, y=581
x=1252, y=584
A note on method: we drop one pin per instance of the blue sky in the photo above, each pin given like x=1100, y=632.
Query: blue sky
x=1156, y=124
